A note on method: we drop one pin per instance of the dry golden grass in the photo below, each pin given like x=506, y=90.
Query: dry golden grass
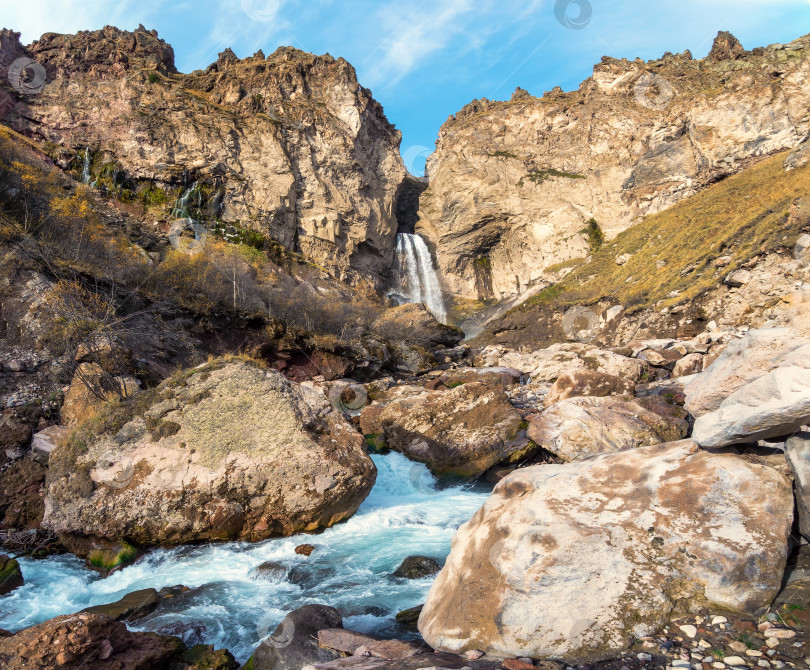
x=742, y=216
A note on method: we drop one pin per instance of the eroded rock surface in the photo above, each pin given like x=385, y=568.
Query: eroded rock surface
x=224, y=451
x=290, y=145
x=572, y=561
x=514, y=184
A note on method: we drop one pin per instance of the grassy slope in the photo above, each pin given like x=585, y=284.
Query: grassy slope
x=674, y=250
x=740, y=217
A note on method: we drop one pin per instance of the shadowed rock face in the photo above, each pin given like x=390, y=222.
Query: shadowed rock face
x=232, y=452
x=571, y=561
x=290, y=145
x=513, y=184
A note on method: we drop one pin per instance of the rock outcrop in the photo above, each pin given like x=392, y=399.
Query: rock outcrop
x=547, y=365
x=514, y=184
x=584, y=426
x=573, y=561
x=461, y=432
x=85, y=641
x=797, y=451
x=224, y=451
x=290, y=145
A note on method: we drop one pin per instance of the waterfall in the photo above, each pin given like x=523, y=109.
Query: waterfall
x=86, y=167
x=180, y=210
x=418, y=281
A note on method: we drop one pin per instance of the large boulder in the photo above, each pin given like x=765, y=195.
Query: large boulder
x=414, y=324
x=743, y=361
x=294, y=643
x=224, y=451
x=797, y=451
x=459, y=432
x=573, y=561
x=15, y=435
x=584, y=426
x=774, y=405
x=547, y=365
x=91, y=641
x=588, y=383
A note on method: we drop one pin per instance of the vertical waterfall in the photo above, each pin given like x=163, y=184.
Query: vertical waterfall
x=86, y=167
x=418, y=281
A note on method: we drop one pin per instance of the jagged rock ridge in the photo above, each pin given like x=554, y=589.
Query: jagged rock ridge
x=514, y=184
x=290, y=145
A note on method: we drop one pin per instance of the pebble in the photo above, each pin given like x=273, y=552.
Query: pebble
x=780, y=633
x=644, y=657
x=689, y=630
x=772, y=642
x=473, y=654
x=681, y=664
x=762, y=663
x=734, y=660
x=753, y=652
x=718, y=665
x=739, y=647
x=718, y=620
x=703, y=644
x=765, y=625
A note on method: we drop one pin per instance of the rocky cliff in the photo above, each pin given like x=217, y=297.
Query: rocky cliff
x=289, y=144
x=514, y=185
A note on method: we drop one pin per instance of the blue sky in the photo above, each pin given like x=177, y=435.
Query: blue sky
x=425, y=59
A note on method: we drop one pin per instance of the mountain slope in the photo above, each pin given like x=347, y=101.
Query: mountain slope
x=513, y=184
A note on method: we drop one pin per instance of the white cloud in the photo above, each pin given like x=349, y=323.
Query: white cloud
x=35, y=17
x=412, y=31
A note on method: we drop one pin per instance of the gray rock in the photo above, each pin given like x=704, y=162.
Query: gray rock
x=415, y=567
x=738, y=278
x=774, y=405
x=801, y=252
x=797, y=451
x=45, y=441
x=294, y=643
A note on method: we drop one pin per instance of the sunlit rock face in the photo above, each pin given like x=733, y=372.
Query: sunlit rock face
x=514, y=184
x=290, y=145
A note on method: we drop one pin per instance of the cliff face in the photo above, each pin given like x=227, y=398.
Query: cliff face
x=290, y=145
x=514, y=184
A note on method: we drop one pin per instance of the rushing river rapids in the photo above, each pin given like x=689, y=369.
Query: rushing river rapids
x=228, y=606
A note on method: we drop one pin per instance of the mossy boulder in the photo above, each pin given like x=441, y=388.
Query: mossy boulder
x=10, y=575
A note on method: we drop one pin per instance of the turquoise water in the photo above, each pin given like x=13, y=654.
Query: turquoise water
x=405, y=514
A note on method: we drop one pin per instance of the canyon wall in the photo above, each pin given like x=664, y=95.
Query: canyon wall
x=513, y=185
x=290, y=145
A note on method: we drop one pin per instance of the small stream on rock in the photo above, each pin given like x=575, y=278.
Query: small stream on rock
x=407, y=513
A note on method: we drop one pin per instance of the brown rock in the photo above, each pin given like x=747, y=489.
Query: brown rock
x=347, y=641
x=587, y=383
x=15, y=433
x=266, y=457
x=725, y=47
x=77, y=641
x=515, y=664
x=462, y=431
x=583, y=426
x=21, y=504
x=305, y=549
